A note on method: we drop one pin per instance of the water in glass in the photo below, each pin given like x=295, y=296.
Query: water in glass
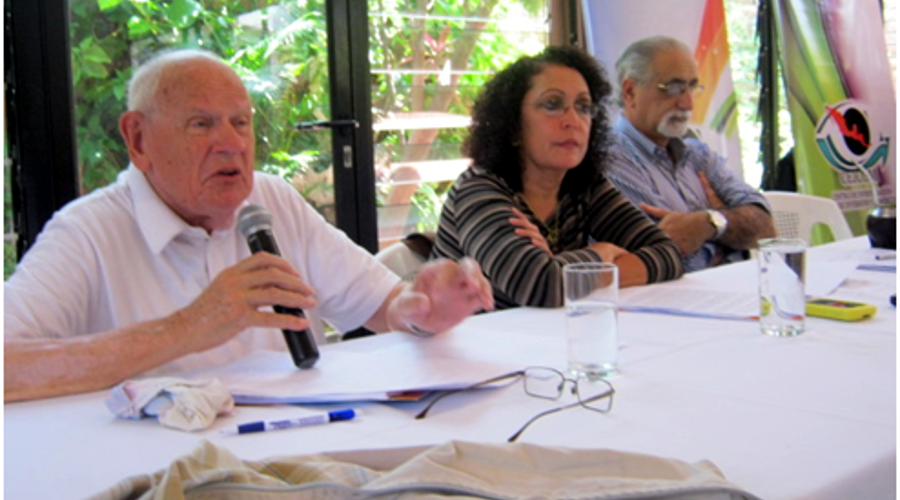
x=592, y=334
x=781, y=286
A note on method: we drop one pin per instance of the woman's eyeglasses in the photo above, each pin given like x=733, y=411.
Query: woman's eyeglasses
x=546, y=383
x=677, y=87
x=556, y=106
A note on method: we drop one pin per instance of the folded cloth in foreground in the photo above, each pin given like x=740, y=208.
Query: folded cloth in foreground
x=188, y=405
x=455, y=470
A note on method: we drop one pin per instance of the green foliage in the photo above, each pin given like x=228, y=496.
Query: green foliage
x=278, y=49
x=459, y=50
x=9, y=259
x=427, y=205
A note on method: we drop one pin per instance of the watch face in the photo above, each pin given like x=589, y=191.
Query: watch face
x=718, y=220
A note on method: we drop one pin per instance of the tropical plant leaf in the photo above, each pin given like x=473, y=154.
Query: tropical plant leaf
x=108, y=4
x=138, y=26
x=183, y=13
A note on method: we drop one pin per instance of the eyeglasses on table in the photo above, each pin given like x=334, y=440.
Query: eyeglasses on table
x=545, y=383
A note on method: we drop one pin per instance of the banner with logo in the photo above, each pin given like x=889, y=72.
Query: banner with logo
x=841, y=100
x=611, y=27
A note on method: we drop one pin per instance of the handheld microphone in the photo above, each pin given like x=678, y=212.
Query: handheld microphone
x=255, y=224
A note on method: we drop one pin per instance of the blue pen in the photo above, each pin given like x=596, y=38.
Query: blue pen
x=290, y=423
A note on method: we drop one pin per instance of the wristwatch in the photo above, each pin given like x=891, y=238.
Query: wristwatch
x=718, y=221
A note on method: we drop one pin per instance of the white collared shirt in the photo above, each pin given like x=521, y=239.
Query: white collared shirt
x=120, y=256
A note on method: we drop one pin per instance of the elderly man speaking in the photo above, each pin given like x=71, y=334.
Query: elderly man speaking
x=150, y=275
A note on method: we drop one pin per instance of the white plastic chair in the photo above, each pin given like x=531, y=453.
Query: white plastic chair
x=407, y=256
x=796, y=214
x=404, y=258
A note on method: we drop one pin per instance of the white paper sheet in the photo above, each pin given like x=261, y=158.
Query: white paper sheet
x=371, y=369
x=737, y=298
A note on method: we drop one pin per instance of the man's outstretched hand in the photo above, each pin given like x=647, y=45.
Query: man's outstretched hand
x=443, y=294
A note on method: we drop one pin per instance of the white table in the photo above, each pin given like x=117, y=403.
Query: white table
x=810, y=417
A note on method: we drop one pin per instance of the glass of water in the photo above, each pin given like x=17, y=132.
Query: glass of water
x=782, y=290
x=591, y=295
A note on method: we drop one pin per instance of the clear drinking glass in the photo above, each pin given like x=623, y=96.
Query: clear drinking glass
x=591, y=299
x=782, y=290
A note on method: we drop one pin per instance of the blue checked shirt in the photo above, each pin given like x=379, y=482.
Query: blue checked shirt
x=644, y=172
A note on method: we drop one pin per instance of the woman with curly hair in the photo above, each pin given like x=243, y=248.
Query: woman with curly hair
x=535, y=197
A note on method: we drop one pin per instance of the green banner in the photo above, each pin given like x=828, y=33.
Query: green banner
x=841, y=101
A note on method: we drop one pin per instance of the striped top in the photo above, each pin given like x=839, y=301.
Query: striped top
x=475, y=223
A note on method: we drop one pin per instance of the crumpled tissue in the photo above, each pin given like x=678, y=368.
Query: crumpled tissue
x=187, y=405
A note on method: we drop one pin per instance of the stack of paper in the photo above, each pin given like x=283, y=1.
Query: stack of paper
x=388, y=367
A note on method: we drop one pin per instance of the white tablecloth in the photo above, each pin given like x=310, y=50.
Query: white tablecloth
x=810, y=417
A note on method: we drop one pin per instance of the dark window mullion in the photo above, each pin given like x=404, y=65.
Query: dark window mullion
x=349, y=76
x=40, y=113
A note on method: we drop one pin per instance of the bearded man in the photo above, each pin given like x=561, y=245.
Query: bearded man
x=712, y=215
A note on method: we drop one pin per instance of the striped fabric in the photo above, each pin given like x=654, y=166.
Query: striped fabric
x=475, y=223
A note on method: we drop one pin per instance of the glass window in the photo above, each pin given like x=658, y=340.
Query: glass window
x=427, y=66
x=278, y=48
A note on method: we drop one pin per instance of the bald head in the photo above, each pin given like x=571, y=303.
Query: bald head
x=154, y=79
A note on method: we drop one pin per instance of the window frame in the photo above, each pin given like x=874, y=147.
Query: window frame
x=42, y=147
x=39, y=114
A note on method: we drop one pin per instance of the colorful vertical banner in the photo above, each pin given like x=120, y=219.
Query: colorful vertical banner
x=612, y=26
x=842, y=102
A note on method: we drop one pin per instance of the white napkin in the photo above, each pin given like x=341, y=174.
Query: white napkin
x=187, y=405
